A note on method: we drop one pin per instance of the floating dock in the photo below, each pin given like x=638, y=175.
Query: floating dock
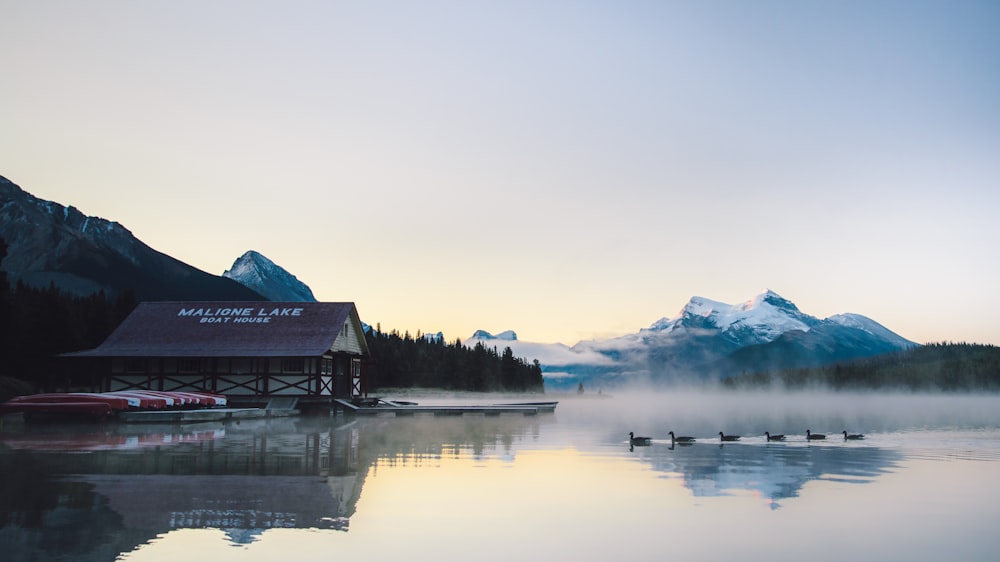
x=375, y=406
x=150, y=407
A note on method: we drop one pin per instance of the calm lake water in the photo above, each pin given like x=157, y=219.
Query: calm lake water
x=922, y=485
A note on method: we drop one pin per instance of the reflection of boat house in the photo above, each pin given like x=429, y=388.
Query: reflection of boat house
x=136, y=483
x=300, y=349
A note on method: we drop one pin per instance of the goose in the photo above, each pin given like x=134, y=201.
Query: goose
x=682, y=439
x=814, y=436
x=633, y=440
x=724, y=437
x=852, y=436
x=774, y=437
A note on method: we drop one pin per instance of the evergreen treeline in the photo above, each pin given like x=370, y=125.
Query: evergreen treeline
x=405, y=361
x=36, y=325
x=939, y=366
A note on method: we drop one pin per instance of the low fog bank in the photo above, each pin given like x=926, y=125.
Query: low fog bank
x=705, y=411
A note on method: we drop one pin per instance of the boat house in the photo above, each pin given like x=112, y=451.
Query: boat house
x=239, y=349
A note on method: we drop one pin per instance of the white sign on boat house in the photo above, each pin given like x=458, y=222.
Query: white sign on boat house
x=238, y=348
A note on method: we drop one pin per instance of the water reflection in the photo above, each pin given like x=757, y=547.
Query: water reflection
x=96, y=492
x=84, y=493
x=774, y=471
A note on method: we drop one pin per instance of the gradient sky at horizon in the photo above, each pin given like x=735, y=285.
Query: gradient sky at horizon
x=564, y=169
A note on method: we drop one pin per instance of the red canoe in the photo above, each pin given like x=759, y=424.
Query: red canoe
x=74, y=408
x=114, y=402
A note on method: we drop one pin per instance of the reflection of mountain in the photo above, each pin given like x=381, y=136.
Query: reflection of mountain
x=775, y=471
x=58, y=503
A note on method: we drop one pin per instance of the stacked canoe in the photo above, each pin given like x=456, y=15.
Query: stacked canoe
x=108, y=404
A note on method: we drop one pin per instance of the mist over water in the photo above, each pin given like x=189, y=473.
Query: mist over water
x=703, y=413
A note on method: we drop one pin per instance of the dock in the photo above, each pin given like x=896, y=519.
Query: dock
x=375, y=407
x=148, y=407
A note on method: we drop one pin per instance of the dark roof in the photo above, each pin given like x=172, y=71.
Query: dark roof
x=228, y=329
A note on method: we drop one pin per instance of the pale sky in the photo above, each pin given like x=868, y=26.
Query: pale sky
x=564, y=169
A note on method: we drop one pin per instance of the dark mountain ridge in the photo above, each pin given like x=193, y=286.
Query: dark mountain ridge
x=51, y=244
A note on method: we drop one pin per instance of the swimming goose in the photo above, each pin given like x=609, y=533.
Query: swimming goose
x=633, y=440
x=852, y=436
x=814, y=436
x=682, y=439
x=774, y=437
x=724, y=437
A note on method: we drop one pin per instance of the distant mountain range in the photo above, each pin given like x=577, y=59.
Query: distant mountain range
x=49, y=243
x=707, y=340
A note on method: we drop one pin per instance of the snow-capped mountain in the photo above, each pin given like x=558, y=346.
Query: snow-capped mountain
x=49, y=243
x=711, y=339
x=256, y=272
x=758, y=320
x=866, y=324
x=435, y=337
x=508, y=335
